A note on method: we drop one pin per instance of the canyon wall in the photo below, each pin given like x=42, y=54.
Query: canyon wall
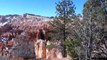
x=26, y=29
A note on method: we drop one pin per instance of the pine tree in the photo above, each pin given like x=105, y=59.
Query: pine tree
x=95, y=13
x=91, y=31
x=65, y=13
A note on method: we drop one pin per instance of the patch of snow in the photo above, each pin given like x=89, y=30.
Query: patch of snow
x=2, y=24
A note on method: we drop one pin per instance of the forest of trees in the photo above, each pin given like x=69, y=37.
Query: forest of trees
x=84, y=39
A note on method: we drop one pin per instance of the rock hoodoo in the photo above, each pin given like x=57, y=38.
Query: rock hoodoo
x=34, y=27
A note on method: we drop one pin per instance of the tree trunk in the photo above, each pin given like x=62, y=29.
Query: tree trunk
x=64, y=53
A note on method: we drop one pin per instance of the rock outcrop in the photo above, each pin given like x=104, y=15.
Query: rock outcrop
x=33, y=27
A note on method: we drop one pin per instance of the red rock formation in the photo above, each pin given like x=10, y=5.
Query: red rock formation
x=1, y=46
x=35, y=28
x=10, y=43
x=40, y=48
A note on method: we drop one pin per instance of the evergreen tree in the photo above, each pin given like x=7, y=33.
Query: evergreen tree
x=65, y=13
x=91, y=33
